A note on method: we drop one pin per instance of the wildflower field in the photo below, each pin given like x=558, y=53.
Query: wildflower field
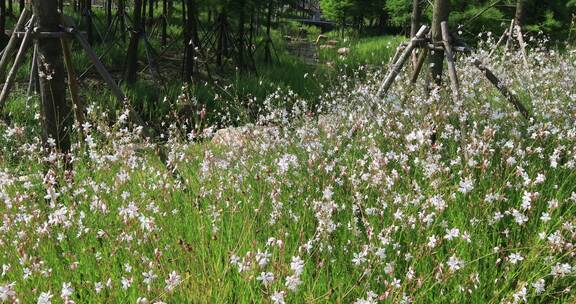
x=409, y=198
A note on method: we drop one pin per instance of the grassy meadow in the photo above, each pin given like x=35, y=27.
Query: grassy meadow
x=341, y=198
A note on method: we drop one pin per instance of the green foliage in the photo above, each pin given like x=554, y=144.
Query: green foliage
x=337, y=9
x=399, y=11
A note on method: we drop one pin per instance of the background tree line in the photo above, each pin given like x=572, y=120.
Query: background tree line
x=553, y=17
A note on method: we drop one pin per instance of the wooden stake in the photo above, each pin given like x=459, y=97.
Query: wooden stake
x=16, y=65
x=33, y=73
x=500, y=86
x=454, y=84
x=419, y=65
x=455, y=87
x=510, y=33
x=522, y=47
x=401, y=60
x=77, y=103
x=8, y=50
x=399, y=50
x=133, y=116
x=498, y=43
x=99, y=66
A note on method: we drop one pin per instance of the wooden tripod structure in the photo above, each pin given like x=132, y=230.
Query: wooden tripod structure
x=450, y=48
x=26, y=29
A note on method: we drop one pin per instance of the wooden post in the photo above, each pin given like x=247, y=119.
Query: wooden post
x=522, y=47
x=454, y=84
x=510, y=35
x=455, y=88
x=99, y=66
x=106, y=76
x=9, y=49
x=164, y=22
x=77, y=103
x=497, y=45
x=500, y=86
x=56, y=113
x=399, y=51
x=419, y=64
x=33, y=83
x=436, y=57
x=414, y=26
x=398, y=65
x=16, y=65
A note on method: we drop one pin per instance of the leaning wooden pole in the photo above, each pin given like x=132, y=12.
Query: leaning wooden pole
x=17, y=62
x=397, y=67
x=73, y=85
x=500, y=86
x=32, y=84
x=415, y=25
x=12, y=43
x=449, y=53
x=454, y=87
x=419, y=65
x=70, y=28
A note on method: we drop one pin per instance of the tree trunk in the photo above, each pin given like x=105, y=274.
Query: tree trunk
x=144, y=13
x=436, y=58
x=151, y=13
x=132, y=54
x=56, y=112
x=191, y=39
x=416, y=16
x=3, y=15
x=89, y=25
x=267, y=47
x=121, y=17
x=241, y=38
x=520, y=12
x=164, y=22
x=382, y=22
x=170, y=8
x=221, y=46
x=109, y=13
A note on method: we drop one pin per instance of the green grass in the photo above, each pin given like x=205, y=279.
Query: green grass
x=351, y=188
x=372, y=51
x=212, y=202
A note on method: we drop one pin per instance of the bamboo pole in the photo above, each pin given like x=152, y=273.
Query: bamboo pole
x=522, y=47
x=510, y=34
x=401, y=60
x=8, y=50
x=99, y=66
x=500, y=86
x=399, y=50
x=19, y=57
x=77, y=103
x=497, y=45
x=454, y=84
x=33, y=72
x=455, y=88
x=419, y=65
